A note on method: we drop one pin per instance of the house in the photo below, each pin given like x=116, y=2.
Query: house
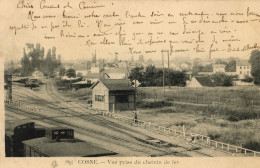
x=118, y=73
x=200, y=81
x=113, y=94
x=219, y=68
x=243, y=68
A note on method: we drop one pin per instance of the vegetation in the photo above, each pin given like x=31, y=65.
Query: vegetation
x=255, y=65
x=153, y=76
x=71, y=73
x=35, y=59
x=221, y=79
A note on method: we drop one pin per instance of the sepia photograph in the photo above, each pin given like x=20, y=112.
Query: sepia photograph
x=130, y=83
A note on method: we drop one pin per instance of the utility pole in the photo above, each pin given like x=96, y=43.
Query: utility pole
x=135, y=95
x=163, y=72
x=169, y=70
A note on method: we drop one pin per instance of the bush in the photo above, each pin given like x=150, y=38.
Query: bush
x=253, y=145
x=154, y=104
x=247, y=79
x=241, y=115
x=213, y=135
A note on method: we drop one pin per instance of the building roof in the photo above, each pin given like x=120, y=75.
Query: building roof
x=242, y=63
x=204, y=81
x=115, y=84
x=66, y=148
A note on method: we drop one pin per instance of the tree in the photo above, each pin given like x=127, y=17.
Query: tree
x=79, y=74
x=71, y=73
x=255, y=65
x=221, y=79
x=26, y=64
x=231, y=66
x=62, y=71
x=137, y=74
x=177, y=78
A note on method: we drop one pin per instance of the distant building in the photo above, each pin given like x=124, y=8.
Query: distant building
x=37, y=74
x=200, y=81
x=118, y=73
x=243, y=68
x=112, y=94
x=219, y=68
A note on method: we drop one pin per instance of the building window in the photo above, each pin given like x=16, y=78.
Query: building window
x=240, y=72
x=244, y=67
x=99, y=98
x=240, y=67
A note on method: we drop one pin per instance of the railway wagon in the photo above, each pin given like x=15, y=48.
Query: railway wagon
x=17, y=131
x=60, y=142
x=32, y=83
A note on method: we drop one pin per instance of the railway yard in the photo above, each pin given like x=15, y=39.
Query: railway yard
x=125, y=139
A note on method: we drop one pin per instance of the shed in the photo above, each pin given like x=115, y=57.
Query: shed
x=113, y=94
x=200, y=81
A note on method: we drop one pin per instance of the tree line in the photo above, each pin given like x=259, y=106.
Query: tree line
x=35, y=58
x=153, y=76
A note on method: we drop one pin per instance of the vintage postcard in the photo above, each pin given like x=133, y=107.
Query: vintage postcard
x=91, y=83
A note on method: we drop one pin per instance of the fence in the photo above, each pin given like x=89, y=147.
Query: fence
x=199, y=96
x=177, y=133
x=18, y=103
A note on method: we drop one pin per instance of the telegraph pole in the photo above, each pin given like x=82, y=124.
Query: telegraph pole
x=163, y=72
x=169, y=70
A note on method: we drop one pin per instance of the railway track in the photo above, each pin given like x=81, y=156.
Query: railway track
x=132, y=136
x=127, y=143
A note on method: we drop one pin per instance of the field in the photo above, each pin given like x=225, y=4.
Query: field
x=229, y=115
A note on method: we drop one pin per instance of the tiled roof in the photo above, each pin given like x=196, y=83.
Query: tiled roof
x=115, y=84
x=204, y=81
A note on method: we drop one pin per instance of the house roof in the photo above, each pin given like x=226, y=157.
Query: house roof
x=204, y=81
x=66, y=147
x=243, y=63
x=115, y=84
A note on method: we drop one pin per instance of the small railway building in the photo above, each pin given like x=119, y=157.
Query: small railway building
x=113, y=95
